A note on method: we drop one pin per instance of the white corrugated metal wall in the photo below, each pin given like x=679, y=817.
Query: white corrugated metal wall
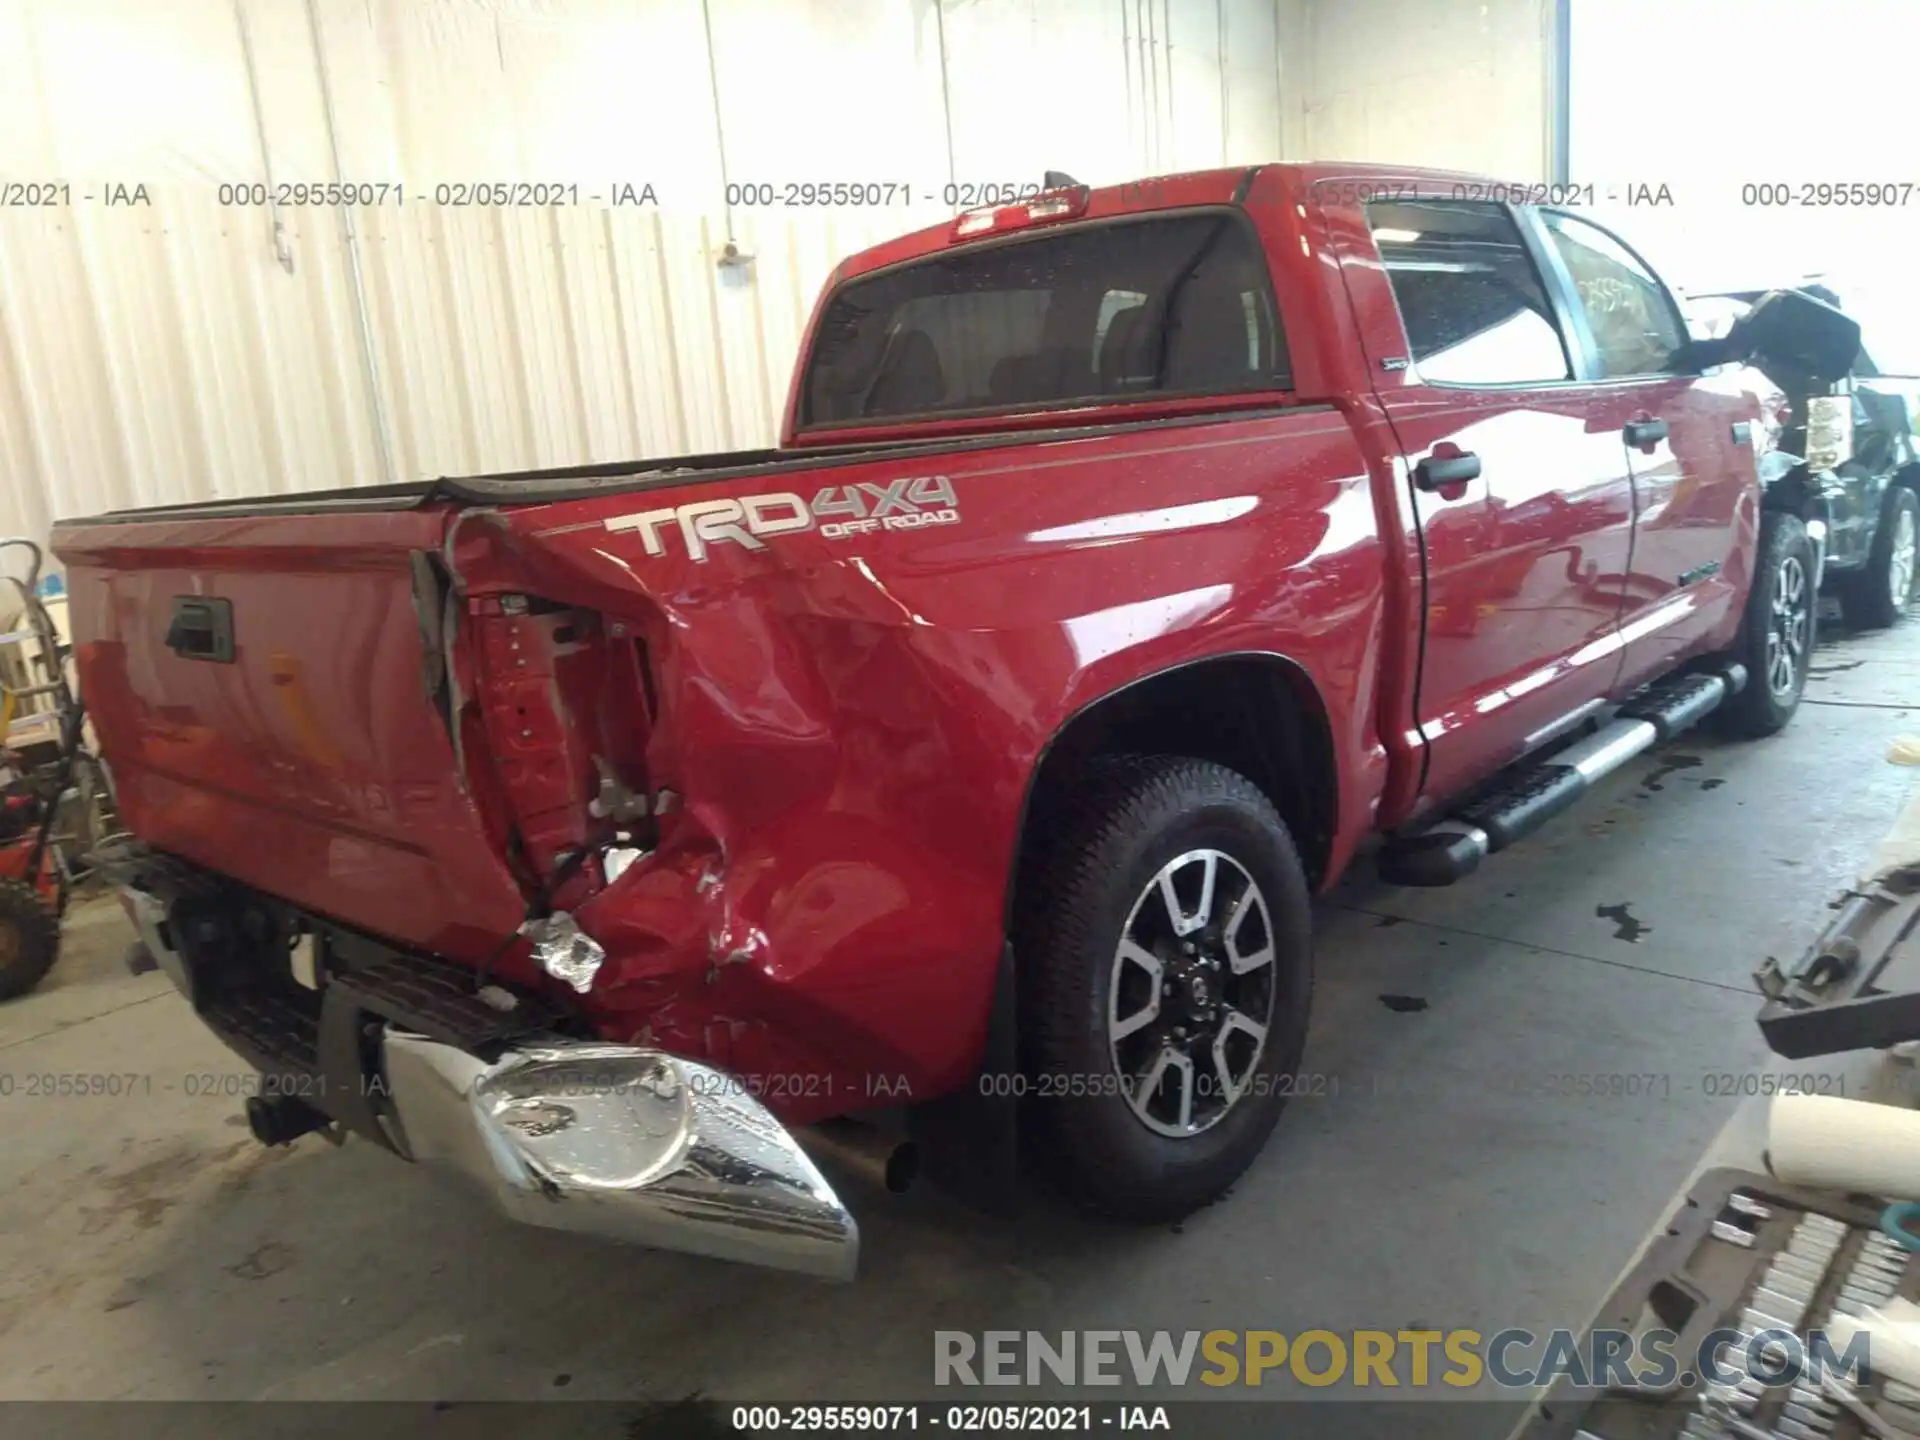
x=1739, y=217
x=1459, y=84
x=158, y=345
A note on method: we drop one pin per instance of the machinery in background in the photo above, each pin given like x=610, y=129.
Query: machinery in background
x=53, y=798
x=1762, y=1271
x=1857, y=987
x=1747, y=1271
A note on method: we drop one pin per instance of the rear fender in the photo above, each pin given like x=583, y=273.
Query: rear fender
x=848, y=719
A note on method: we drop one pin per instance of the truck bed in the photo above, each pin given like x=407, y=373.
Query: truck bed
x=584, y=482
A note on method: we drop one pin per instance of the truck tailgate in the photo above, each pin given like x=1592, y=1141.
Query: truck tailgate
x=283, y=733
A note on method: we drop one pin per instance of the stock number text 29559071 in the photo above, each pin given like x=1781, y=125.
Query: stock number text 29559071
x=855, y=194
x=1851, y=194
x=950, y=1419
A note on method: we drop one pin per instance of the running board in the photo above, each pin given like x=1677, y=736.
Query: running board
x=1454, y=848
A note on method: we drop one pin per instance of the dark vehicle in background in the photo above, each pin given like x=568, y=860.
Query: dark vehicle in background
x=1862, y=472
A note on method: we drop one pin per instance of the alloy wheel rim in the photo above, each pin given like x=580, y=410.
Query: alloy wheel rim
x=1900, y=563
x=10, y=945
x=1788, y=627
x=1192, y=993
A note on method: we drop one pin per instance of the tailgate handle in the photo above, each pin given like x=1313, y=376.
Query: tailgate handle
x=202, y=629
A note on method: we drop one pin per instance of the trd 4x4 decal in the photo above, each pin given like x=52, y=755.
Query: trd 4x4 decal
x=905, y=504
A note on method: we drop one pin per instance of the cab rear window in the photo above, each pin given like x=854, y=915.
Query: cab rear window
x=1112, y=310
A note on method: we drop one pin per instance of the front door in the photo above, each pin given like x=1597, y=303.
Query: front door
x=1687, y=441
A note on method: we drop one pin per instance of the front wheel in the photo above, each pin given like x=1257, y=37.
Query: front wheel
x=1166, y=976
x=1777, y=631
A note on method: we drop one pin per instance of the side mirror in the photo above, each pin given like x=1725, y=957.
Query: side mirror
x=1794, y=337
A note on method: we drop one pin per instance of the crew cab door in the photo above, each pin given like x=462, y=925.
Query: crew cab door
x=1686, y=445
x=1524, y=509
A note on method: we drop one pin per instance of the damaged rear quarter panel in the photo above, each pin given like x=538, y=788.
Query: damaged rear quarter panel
x=852, y=716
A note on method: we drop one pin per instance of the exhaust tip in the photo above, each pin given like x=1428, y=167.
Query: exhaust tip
x=281, y=1119
x=902, y=1168
x=864, y=1152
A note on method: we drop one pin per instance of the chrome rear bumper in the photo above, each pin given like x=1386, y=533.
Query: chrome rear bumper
x=615, y=1141
x=622, y=1143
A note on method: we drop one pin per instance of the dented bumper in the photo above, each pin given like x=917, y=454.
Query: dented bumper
x=616, y=1141
x=625, y=1144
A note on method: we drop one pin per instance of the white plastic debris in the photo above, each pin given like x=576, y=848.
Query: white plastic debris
x=1893, y=1331
x=1897, y=862
x=564, y=951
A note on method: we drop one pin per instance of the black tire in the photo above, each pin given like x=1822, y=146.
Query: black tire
x=1126, y=820
x=1763, y=707
x=29, y=938
x=1868, y=600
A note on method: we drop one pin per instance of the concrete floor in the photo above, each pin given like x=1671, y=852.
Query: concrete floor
x=149, y=1249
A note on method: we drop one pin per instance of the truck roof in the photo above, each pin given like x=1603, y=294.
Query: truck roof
x=1157, y=192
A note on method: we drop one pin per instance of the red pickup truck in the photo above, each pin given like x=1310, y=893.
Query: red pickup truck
x=1131, y=556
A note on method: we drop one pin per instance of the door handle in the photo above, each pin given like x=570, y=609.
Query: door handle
x=1645, y=432
x=1436, y=472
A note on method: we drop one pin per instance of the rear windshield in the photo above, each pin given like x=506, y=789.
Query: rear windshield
x=1168, y=305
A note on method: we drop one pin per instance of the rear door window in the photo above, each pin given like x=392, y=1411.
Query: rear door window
x=1178, y=304
x=1472, y=302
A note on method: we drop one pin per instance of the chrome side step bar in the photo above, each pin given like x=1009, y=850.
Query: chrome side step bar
x=1454, y=848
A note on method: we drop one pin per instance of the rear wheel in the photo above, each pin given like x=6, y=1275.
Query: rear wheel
x=29, y=938
x=1777, y=632
x=1166, y=975
x=1878, y=595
